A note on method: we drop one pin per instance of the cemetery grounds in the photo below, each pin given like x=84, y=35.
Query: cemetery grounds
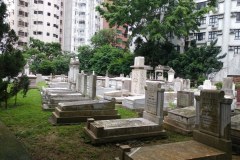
x=43, y=141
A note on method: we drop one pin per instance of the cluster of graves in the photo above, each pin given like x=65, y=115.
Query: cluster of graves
x=205, y=113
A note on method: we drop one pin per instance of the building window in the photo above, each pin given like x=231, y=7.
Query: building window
x=38, y=22
x=237, y=34
x=21, y=33
x=201, y=5
x=213, y=20
x=81, y=22
x=21, y=13
x=238, y=17
x=38, y=12
x=202, y=20
x=49, y=3
x=38, y=1
x=200, y=36
x=56, y=16
x=56, y=6
x=212, y=36
x=237, y=50
x=48, y=24
x=37, y=32
x=49, y=14
x=238, y=2
x=48, y=34
x=54, y=25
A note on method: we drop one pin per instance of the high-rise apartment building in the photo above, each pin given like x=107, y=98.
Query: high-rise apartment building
x=223, y=25
x=81, y=21
x=40, y=19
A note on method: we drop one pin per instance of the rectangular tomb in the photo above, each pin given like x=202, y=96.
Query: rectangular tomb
x=79, y=111
x=189, y=150
x=122, y=129
x=181, y=120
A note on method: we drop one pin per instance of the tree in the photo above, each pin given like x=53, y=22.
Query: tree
x=155, y=53
x=107, y=57
x=156, y=18
x=11, y=59
x=197, y=62
x=104, y=37
x=46, y=58
x=85, y=54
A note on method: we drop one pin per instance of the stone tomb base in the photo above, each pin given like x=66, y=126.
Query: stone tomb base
x=181, y=120
x=189, y=150
x=134, y=102
x=122, y=129
x=80, y=111
x=235, y=132
x=60, y=98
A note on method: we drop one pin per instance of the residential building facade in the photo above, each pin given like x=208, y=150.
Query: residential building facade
x=39, y=19
x=223, y=25
x=81, y=22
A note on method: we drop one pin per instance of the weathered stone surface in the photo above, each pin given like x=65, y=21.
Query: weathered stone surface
x=235, y=132
x=134, y=102
x=181, y=120
x=175, y=151
x=79, y=111
x=185, y=99
x=123, y=129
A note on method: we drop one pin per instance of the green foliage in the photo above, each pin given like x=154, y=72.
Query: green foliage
x=104, y=37
x=85, y=54
x=155, y=53
x=107, y=57
x=147, y=19
x=219, y=85
x=237, y=86
x=11, y=59
x=195, y=63
x=46, y=58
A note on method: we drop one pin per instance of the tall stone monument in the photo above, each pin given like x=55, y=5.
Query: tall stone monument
x=139, y=74
x=73, y=73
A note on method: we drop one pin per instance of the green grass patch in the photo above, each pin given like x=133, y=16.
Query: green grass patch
x=126, y=113
x=44, y=142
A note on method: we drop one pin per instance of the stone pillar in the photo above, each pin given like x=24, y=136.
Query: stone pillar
x=139, y=74
x=197, y=98
x=92, y=86
x=171, y=74
x=106, y=82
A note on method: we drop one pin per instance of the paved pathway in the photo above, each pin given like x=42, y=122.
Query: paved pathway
x=10, y=147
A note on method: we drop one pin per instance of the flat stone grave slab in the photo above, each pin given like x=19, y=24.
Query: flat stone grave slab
x=122, y=129
x=189, y=150
x=53, y=102
x=79, y=111
x=134, y=102
x=181, y=120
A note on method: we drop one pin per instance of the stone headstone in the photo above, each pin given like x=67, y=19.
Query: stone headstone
x=83, y=84
x=154, y=100
x=214, y=115
x=228, y=86
x=92, y=86
x=126, y=84
x=186, y=84
x=185, y=99
x=106, y=82
x=139, y=74
x=178, y=85
x=171, y=74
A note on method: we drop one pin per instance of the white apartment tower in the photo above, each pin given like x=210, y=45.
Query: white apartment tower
x=40, y=19
x=222, y=24
x=81, y=21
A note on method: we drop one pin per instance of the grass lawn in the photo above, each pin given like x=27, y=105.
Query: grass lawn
x=46, y=142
